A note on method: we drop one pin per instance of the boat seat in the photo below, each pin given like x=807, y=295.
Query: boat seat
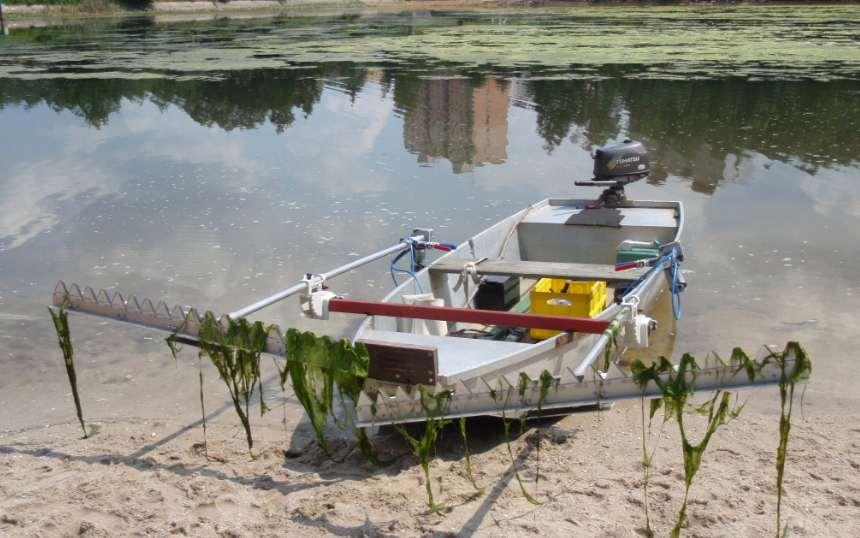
x=530, y=269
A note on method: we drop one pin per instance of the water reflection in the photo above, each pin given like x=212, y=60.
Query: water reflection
x=695, y=129
x=218, y=186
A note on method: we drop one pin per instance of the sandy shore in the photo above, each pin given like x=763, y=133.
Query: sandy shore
x=150, y=477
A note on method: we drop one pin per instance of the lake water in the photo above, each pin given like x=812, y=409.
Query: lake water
x=214, y=162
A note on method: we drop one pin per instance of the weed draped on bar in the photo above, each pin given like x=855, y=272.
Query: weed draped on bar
x=434, y=406
x=316, y=365
x=676, y=385
x=234, y=347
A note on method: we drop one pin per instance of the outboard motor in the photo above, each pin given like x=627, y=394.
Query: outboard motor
x=617, y=165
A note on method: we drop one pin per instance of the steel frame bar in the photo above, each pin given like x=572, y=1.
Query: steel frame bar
x=300, y=286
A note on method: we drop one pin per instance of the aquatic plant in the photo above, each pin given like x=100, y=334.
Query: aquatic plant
x=172, y=342
x=61, y=324
x=676, y=387
x=788, y=379
x=468, y=456
x=506, y=427
x=648, y=456
x=234, y=348
x=316, y=365
x=434, y=405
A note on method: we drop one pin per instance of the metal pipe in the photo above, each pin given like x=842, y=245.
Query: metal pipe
x=469, y=315
x=298, y=287
x=589, y=359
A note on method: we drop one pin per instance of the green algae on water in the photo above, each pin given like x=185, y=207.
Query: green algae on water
x=64, y=337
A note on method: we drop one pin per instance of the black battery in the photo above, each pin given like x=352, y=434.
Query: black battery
x=497, y=293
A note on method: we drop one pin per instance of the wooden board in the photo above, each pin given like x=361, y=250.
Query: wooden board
x=572, y=271
x=402, y=363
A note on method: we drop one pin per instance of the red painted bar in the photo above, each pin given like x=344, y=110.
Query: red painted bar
x=487, y=317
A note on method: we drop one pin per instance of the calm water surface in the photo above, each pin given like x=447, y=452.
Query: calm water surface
x=211, y=163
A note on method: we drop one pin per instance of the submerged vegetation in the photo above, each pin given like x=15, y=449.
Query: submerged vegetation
x=319, y=366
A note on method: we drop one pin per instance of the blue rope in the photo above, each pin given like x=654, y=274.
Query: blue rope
x=676, y=290
x=413, y=266
x=674, y=271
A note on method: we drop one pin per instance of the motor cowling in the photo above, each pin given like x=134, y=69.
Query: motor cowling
x=628, y=159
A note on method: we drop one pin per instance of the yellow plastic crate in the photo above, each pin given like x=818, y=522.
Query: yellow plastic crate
x=571, y=298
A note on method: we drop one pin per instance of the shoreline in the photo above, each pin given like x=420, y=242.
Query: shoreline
x=17, y=13
x=36, y=15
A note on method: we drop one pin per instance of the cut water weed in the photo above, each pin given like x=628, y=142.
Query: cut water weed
x=434, y=406
x=317, y=365
x=234, y=347
x=790, y=376
x=676, y=385
x=64, y=337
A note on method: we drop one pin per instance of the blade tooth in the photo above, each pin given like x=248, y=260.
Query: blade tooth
x=75, y=293
x=162, y=311
x=132, y=305
x=567, y=376
x=89, y=296
x=224, y=322
x=117, y=299
x=191, y=322
x=400, y=395
x=102, y=297
x=60, y=295
x=117, y=306
x=275, y=342
x=135, y=311
x=461, y=389
x=146, y=308
x=364, y=400
x=192, y=316
x=490, y=383
x=498, y=383
x=511, y=380
x=765, y=352
x=178, y=313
